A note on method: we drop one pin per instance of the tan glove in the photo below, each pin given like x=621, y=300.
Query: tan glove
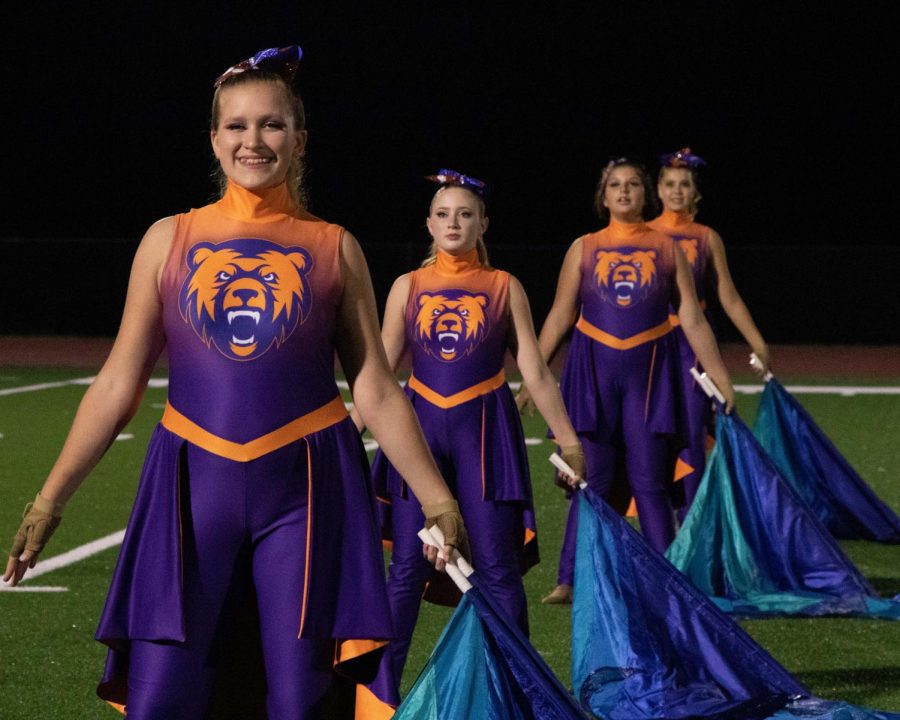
x=447, y=517
x=524, y=403
x=574, y=456
x=39, y=520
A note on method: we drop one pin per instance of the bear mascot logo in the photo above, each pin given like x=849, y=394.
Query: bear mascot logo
x=625, y=278
x=689, y=248
x=451, y=323
x=245, y=295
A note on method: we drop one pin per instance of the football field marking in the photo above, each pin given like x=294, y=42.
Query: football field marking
x=96, y=546
x=843, y=390
x=46, y=386
x=82, y=552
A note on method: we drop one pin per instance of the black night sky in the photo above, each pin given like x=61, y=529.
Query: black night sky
x=793, y=105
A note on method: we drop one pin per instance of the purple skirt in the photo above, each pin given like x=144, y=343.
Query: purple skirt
x=486, y=431
x=600, y=383
x=345, y=595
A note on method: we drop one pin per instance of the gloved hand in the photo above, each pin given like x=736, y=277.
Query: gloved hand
x=447, y=517
x=524, y=403
x=39, y=520
x=574, y=456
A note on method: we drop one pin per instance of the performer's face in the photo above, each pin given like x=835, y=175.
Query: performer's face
x=456, y=220
x=676, y=189
x=256, y=139
x=624, y=194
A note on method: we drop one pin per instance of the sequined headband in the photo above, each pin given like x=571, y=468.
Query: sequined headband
x=682, y=158
x=447, y=177
x=282, y=61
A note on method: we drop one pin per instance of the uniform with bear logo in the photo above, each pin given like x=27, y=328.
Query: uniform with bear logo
x=693, y=240
x=620, y=377
x=457, y=325
x=256, y=470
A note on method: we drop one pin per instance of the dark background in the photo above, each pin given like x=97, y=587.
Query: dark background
x=793, y=105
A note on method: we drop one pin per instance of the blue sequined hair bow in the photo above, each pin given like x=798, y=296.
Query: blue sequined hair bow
x=282, y=61
x=452, y=178
x=682, y=158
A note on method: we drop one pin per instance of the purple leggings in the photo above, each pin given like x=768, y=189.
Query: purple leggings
x=699, y=418
x=495, y=536
x=243, y=523
x=647, y=465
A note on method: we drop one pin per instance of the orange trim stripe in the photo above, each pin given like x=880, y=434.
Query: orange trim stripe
x=309, y=524
x=370, y=707
x=319, y=419
x=483, y=481
x=449, y=401
x=612, y=341
x=650, y=383
x=351, y=649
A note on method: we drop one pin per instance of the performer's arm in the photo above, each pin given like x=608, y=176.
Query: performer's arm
x=697, y=330
x=564, y=310
x=382, y=405
x=537, y=376
x=114, y=396
x=393, y=329
x=733, y=304
x=393, y=332
x=561, y=317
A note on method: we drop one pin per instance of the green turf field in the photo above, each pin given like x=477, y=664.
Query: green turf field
x=49, y=662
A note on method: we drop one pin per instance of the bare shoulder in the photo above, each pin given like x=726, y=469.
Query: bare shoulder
x=402, y=283
x=159, y=235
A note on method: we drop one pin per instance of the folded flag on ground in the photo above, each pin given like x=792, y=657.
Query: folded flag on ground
x=757, y=549
x=647, y=645
x=817, y=471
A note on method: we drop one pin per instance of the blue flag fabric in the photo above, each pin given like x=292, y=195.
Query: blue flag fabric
x=818, y=472
x=483, y=666
x=647, y=645
x=757, y=549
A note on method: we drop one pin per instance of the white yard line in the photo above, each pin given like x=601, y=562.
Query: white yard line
x=152, y=383
x=34, y=588
x=71, y=557
x=845, y=390
x=75, y=555
x=46, y=386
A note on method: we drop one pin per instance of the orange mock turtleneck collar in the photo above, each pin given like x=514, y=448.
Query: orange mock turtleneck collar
x=263, y=205
x=625, y=230
x=672, y=219
x=447, y=264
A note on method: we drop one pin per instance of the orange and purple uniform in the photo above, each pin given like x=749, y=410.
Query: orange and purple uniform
x=620, y=375
x=693, y=240
x=255, y=479
x=457, y=322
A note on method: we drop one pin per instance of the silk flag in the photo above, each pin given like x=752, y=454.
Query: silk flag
x=818, y=472
x=753, y=545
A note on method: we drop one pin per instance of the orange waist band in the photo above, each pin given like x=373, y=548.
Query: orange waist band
x=675, y=322
x=612, y=341
x=319, y=419
x=449, y=401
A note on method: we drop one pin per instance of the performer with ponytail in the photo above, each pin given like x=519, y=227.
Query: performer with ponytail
x=458, y=316
x=678, y=190
x=620, y=380
x=255, y=479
